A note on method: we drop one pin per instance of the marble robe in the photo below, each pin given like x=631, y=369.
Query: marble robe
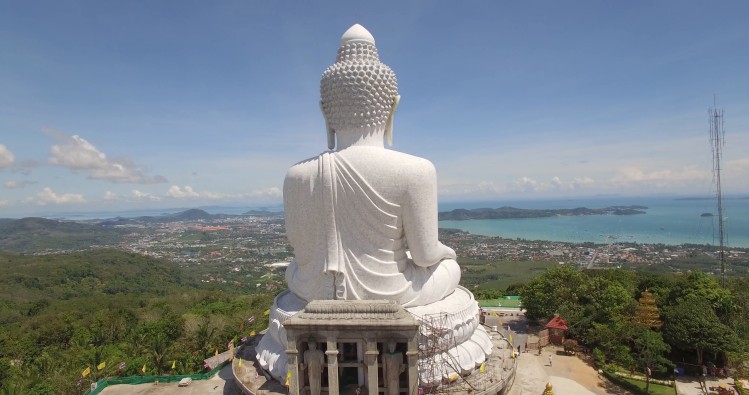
x=353, y=244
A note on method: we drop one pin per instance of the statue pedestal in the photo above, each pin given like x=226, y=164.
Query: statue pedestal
x=353, y=335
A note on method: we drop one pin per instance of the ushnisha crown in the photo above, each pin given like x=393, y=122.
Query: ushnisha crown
x=358, y=91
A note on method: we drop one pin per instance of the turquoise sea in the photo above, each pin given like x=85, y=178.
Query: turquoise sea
x=668, y=220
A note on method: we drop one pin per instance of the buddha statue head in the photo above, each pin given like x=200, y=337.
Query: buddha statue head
x=358, y=94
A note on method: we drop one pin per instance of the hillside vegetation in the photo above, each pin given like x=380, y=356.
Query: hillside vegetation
x=39, y=234
x=62, y=313
x=646, y=320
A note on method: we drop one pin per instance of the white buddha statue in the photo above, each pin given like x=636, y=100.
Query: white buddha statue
x=362, y=219
x=354, y=213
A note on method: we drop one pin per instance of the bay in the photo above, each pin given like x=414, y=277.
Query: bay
x=668, y=220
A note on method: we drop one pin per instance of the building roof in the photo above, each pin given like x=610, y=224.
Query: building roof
x=557, y=323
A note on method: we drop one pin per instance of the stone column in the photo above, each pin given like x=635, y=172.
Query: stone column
x=413, y=366
x=371, y=361
x=332, y=353
x=292, y=354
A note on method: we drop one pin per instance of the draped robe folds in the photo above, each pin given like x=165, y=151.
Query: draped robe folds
x=349, y=242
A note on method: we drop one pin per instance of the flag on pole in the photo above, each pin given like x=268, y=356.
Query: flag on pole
x=266, y=312
x=251, y=319
x=240, y=362
x=230, y=345
x=288, y=378
x=121, y=366
x=244, y=339
x=510, y=338
x=86, y=372
x=252, y=333
x=143, y=369
x=483, y=367
x=101, y=365
x=174, y=364
x=216, y=353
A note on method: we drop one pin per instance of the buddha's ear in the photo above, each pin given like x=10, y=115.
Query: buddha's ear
x=389, y=125
x=330, y=131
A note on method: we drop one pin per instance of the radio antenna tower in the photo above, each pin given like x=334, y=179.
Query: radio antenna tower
x=717, y=135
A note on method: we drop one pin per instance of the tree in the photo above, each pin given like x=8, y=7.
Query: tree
x=692, y=325
x=650, y=350
x=647, y=314
x=557, y=287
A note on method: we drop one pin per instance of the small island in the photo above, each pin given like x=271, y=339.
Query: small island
x=514, y=213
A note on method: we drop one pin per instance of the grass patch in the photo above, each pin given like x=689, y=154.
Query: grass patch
x=501, y=302
x=500, y=274
x=638, y=387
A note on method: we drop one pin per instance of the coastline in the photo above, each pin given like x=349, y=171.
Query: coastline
x=668, y=220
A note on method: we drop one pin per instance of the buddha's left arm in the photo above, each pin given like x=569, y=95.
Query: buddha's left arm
x=420, y=217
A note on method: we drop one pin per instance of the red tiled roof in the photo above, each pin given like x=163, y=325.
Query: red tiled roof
x=557, y=323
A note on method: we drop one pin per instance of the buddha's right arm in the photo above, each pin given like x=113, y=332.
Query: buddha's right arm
x=420, y=218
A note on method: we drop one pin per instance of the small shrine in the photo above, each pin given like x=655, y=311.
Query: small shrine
x=557, y=327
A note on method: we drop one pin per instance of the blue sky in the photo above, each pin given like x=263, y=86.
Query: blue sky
x=109, y=105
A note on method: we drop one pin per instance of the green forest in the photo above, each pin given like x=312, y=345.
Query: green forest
x=647, y=320
x=63, y=313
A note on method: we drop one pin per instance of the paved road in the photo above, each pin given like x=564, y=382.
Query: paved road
x=688, y=385
x=220, y=384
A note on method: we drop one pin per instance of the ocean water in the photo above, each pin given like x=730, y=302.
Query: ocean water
x=668, y=221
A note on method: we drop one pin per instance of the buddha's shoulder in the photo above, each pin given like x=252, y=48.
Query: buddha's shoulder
x=388, y=159
x=304, y=167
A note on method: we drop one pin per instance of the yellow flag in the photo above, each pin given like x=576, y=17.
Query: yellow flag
x=483, y=367
x=101, y=365
x=231, y=357
x=510, y=337
x=216, y=354
x=454, y=376
x=174, y=364
x=86, y=372
x=143, y=369
x=240, y=362
x=288, y=378
x=266, y=312
x=252, y=333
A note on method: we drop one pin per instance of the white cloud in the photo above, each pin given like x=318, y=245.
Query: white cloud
x=77, y=154
x=47, y=196
x=139, y=196
x=13, y=184
x=6, y=157
x=266, y=193
x=180, y=193
x=109, y=195
x=4, y=203
x=635, y=174
x=575, y=183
